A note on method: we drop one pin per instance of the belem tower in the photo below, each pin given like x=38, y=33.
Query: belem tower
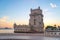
x=35, y=23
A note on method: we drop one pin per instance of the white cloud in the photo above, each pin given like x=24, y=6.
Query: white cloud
x=53, y=5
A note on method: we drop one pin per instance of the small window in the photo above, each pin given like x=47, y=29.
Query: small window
x=55, y=33
x=42, y=19
x=39, y=23
x=59, y=28
x=34, y=21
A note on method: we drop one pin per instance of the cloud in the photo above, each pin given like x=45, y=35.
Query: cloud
x=53, y=5
x=3, y=19
x=4, y=22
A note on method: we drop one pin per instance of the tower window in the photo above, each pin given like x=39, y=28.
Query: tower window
x=41, y=19
x=34, y=21
x=39, y=23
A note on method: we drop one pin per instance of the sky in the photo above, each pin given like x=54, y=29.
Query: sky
x=17, y=11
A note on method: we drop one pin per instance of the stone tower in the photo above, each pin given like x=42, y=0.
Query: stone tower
x=36, y=20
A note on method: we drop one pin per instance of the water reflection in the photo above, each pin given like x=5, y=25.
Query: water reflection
x=6, y=30
x=23, y=37
x=29, y=38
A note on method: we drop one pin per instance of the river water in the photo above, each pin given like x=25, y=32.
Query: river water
x=26, y=37
x=30, y=37
x=6, y=30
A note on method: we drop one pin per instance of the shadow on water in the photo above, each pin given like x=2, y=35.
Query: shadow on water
x=28, y=38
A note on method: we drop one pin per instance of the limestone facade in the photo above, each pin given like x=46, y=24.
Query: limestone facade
x=36, y=19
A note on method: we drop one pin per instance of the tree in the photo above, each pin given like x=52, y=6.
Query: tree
x=54, y=28
x=49, y=27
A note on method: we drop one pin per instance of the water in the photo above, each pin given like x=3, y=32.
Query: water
x=25, y=37
x=6, y=30
x=51, y=38
x=31, y=38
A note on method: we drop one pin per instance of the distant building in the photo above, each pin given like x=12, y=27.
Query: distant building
x=35, y=22
x=52, y=31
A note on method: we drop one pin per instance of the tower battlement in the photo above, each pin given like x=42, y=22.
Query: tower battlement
x=36, y=11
